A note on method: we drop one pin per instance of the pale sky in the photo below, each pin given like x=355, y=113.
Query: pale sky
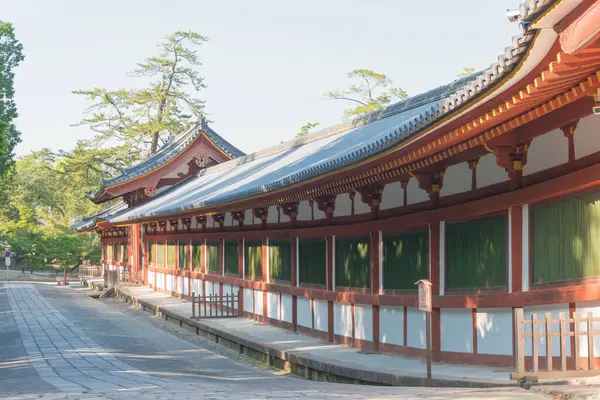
x=267, y=62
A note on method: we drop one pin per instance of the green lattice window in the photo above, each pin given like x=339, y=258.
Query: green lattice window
x=312, y=261
x=124, y=252
x=405, y=259
x=171, y=253
x=197, y=255
x=109, y=252
x=352, y=261
x=253, y=259
x=160, y=253
x=182, y=250
x=476, y=254
x=212, y=256
x=280, y=260
x=151, y=253
x=231, y=257
x=566, y=238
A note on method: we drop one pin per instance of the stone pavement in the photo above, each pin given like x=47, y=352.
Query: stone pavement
x=329, y=356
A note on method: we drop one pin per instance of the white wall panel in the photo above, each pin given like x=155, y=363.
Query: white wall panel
x=363, y=322
x=587, y=136
x=304, y=312
x=210, y=222
x=342, y=321
x=273, y=215
x=318, y=213
x=495, y=331
x=414, y=194
x=581, y=311
x=286, y=308
x=488, y=172
x=182, y=285
x=273, y=305
x=392, y=196
x=391, y=325
x=321, y=315
x=457, y=179
x=415, y=328
x=553, y=309
x=248, y=218
x=228, y=220
x=258, y=302
x=554, y=143
x=343, y=205
x=304, y=212
x=360, y=207
x=456, y=331
x=248, y=300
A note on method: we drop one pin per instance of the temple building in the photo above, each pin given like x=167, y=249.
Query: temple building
x=488, y=186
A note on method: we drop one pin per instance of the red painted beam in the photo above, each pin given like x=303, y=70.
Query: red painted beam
x=582, y=32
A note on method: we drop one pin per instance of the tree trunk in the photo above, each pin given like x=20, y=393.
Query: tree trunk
x=154, y=144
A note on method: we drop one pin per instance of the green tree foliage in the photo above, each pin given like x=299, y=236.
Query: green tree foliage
x=466, y=72
x=48, y=188
x=11, y=54
x=142, y=118
x=306, y=129
x=372, y=92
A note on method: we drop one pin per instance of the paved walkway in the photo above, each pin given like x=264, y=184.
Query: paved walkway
x=330, y=354
x=57, y=343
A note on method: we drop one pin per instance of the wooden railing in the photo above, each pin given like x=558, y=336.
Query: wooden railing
x=215, y=306
x=569, y=329
x=95, y=271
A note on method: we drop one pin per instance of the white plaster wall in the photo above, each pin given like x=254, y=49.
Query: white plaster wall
x=158, y=280
x=342, y=321
x=581, y=310
x=151, y=278
x=415, y=328
x=248, y=217
x=273, y=215
x=210, y=222
x=228, y=219
x=343, y=205
x=414, y=194
x=182, y=285
x=258, y=302
x=360, y=207
x=494, y=331
x=273, y=305
x=392, y=196
x=197, y=287
x=318, y=213
x=363, y=322
x=457, y=179
x=304, y=213
x=248, y=300
x=231, y=289
x=391, y=325
x=488, y=172
x=321, y=315
x=304, y=312
x=284, y=218
x=286, y=308
x=554, y=143
x=456, y=330
x=587, y=136
x=553, y=309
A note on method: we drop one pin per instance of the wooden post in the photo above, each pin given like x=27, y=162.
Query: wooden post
x=428, y=333
x=520, y=336
x=590, y=340
x=534, y=343
x=563, y=349
x=576, y=341
x=548, y=342
x=425, y=305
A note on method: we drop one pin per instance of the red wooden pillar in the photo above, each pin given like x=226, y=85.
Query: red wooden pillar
x=329, y=279
x=375, y=285
x=265, y=278
x=241, y=276
x=293, y=251
x=221, y=266
x=434, y=275
x=189, y=268
x=203, y=267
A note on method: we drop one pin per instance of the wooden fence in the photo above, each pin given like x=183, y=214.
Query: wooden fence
x=569, y=330
x=215, y=306
x=95, y=271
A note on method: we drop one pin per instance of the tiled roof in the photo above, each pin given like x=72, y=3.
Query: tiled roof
x=168, y=152
x=337, y=146
x=83, y=223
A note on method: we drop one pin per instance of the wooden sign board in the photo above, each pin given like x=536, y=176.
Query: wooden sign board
x=424, y=295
